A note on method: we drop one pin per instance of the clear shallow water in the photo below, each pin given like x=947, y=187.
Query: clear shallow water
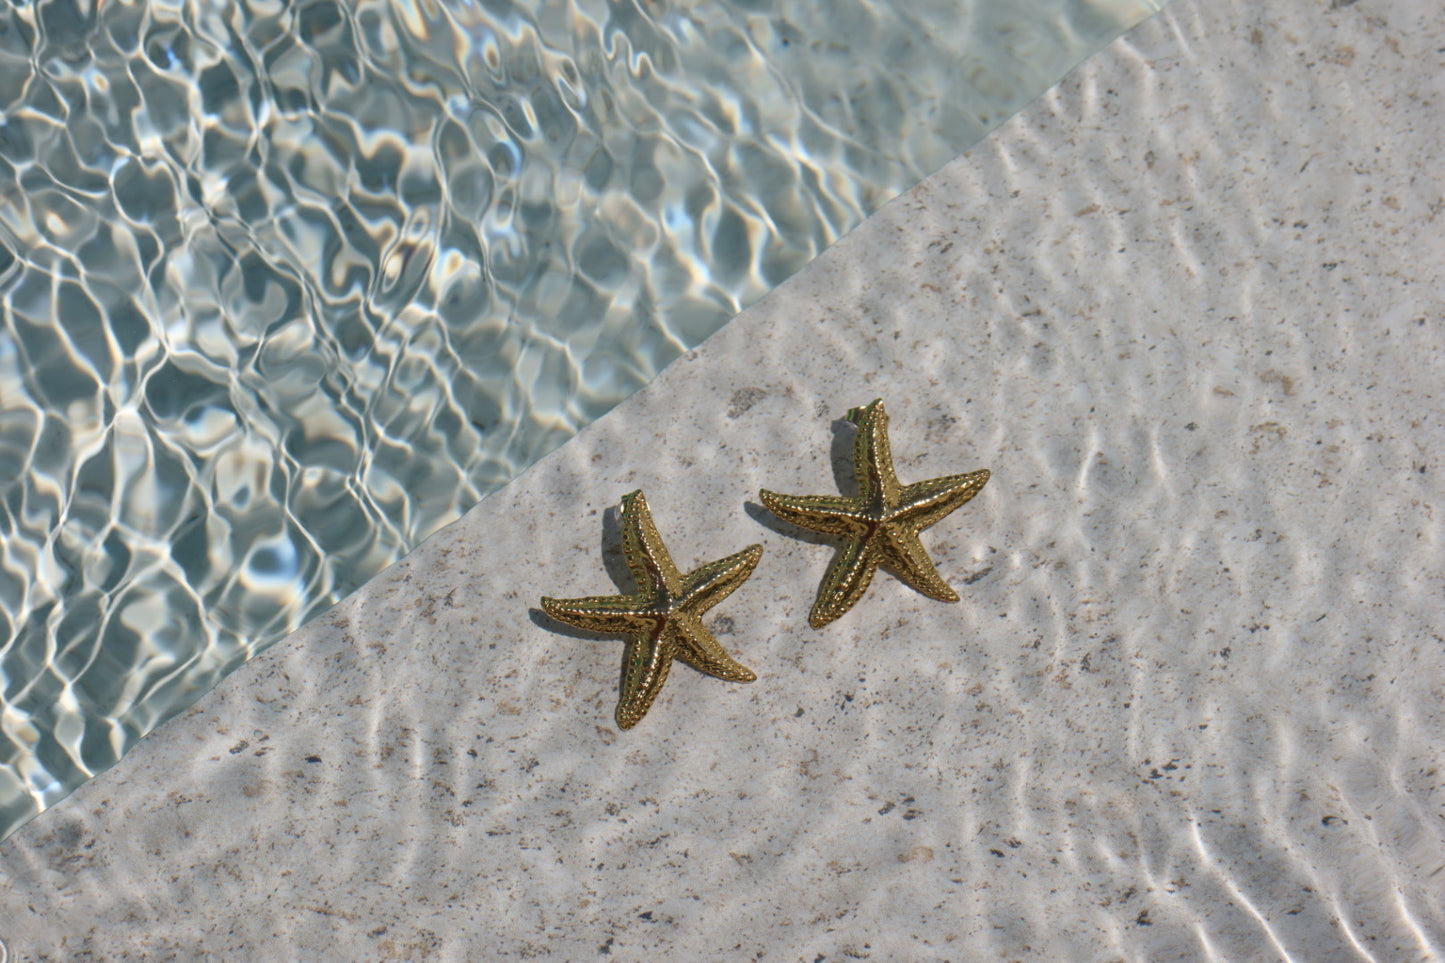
x=285, y=289
x=1188, y=709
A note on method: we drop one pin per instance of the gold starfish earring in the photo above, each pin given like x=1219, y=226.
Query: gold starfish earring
x=881, y=523
x=662, y=620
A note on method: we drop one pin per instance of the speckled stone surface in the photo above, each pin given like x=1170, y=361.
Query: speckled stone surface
x=1189, y=308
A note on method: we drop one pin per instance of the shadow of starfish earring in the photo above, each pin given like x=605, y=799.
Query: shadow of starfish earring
x=662, y=620
x=881, y=523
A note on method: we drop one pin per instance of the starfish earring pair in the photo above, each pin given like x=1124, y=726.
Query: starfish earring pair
x=662, y=621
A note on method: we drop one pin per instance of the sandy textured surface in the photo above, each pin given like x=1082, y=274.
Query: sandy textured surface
x=1190, y=310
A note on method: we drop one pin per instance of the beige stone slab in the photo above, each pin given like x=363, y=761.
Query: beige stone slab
x=1190, y=309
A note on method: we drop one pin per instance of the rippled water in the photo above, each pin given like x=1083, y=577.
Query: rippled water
x=285, y=288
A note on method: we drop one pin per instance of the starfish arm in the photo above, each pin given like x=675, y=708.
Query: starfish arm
x=644, y=670
x=873, y=455
x=830, y=514
x=609, y=614
x=924, y=503
x=844, y=584
x=906, y=558
x=647, y=556
x=711, y=583
x=700, y=649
